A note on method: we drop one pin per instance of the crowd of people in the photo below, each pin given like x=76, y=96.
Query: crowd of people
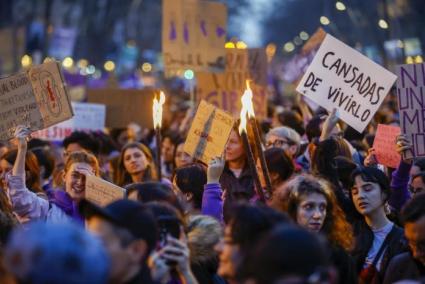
x=334, y=214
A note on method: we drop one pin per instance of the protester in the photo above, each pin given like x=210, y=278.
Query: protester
x=236, y=179
x=417, y=186
x=46, y=162
x=61, y=205
x=287, y=254
x=410, y=265
x=378, y=239
x=80, y=141
x=285, y=138
x=190, y=181
x=135, y=164
x=204, y=233
x=56, y=254
x=168, y=148
x=313, y=205
x=129, y=233
x=245, y=227
x=181, y=158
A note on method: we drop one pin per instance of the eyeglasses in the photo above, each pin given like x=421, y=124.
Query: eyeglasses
x=278, y=143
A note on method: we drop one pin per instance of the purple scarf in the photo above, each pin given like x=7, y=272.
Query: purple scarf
x=62, y=200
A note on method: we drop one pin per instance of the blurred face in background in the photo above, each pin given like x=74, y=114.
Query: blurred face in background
x=182, y=158
x=234, y=147
x=167, y=150
x=135, y=161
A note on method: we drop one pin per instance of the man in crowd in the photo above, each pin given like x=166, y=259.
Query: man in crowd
x=128, y=231
x=411, y=265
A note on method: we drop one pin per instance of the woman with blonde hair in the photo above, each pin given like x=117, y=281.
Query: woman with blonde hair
x=135, y=164
x=62, y=205
x=311, y=203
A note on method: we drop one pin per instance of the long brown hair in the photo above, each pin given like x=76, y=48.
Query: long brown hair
x=336, y=228
x=32, y=169
x=122, y=177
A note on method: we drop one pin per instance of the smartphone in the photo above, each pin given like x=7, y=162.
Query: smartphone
x=168, y=225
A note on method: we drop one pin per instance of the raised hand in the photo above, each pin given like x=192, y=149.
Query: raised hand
x=215, y=169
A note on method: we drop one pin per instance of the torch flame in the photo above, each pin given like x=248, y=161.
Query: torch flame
x=157, y=110
x=247, y=107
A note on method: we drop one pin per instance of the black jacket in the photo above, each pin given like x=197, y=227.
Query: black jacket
x=364, y=239
x=345, y=265
x=403, y=267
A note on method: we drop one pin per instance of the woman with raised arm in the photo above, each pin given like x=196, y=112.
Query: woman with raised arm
x=61, y=204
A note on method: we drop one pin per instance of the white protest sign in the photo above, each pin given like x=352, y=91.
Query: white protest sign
x=102, y=192
x=341, y=77
x=36, y=98
x=208, y=133
x=193, y=35
x=87, y=117
x=411, y=104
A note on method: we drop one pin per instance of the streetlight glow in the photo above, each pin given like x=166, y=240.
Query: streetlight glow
x=340, y=6
x=324, y=20
x=383, y=24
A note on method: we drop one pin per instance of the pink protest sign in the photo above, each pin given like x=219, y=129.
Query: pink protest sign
x=385, y=147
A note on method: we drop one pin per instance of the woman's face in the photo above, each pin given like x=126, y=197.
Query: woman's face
x=311, y=211
x=167, y=150
x=228, y=255
x=234, y=147
x=135, y=161
x=367, y=196
x=75, y=180
x=5, y=167
x=182, y=158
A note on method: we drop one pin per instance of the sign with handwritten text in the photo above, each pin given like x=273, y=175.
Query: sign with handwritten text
x=193, y=35
x=208, y=133
x=87, y=117
x=385, y=147
x=341, y=77
x=102, y=192
x=36, y=98
x=225, y=90
x=411, y=104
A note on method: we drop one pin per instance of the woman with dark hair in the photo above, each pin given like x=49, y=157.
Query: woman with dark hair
x=181, y=158
x=280, y=166
x=377, y=238
x=190, y=181
x=312, y=204
x=153, y=191
x=135, y=164
x=245, y=227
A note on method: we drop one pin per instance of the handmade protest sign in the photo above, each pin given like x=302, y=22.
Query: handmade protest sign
x=125, y=106
x=411, y=104
x=225, y=90
x=193, y=35
x=340, y=77
x=87, y=117
x=384, y=145
x=102, y=192
x=36, y=98
x=208, y=133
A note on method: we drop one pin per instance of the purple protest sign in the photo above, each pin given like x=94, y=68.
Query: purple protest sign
x=410, y=95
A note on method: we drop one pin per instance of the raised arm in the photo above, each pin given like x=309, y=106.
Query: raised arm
x=24, y=202
x=212, y=202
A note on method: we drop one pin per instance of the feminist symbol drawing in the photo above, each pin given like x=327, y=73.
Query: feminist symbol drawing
x=50, y=93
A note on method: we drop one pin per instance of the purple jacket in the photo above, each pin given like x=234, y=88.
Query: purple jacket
x=212, y=202
x=27, y=205
x=399, y=186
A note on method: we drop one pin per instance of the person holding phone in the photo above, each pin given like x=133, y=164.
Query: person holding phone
x=170, y=262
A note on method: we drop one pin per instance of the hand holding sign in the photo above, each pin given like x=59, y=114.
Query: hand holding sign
x=404, y=145
x=329, y=124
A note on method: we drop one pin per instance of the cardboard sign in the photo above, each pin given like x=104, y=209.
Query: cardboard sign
x=87, y=117
x=125, y=106
x=226, y=89
x=102, y=192
x=193, y=35
x=340, y=77
x=36, y=98
x=208, y=133
x=385, y=147
x=411, y=104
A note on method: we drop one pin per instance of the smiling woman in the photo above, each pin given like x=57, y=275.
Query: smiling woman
x=61, y=205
